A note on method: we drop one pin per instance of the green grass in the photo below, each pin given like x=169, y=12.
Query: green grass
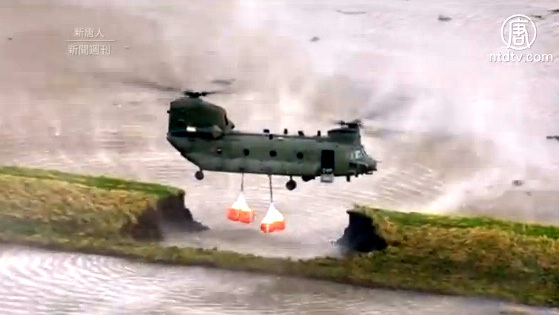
x=418, y=219
x=91, y=181
x=453, y=255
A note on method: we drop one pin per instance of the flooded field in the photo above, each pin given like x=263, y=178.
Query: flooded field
x=466, y=127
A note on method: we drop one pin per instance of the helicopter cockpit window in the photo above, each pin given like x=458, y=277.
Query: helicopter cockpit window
x=226, y=121
x=357, y=154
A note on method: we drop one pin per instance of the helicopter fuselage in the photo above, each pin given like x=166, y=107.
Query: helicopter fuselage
x=203, y=134
x=273, y=154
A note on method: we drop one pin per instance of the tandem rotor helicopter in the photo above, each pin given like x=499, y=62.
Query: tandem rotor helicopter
x=205, y=136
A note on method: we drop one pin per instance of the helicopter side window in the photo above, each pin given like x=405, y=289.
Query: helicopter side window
x=273, y=153
x=246, y=152
x=299, y=155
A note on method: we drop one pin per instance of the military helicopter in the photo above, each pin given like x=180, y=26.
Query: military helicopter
x=205, y=136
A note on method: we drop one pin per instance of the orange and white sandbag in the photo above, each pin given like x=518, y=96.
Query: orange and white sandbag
x=273, y=221
x=240, y=211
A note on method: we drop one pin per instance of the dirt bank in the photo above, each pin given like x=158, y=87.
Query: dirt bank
x=167, y=210
x=361, y=235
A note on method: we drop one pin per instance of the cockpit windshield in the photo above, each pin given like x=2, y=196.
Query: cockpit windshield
x=358, y=154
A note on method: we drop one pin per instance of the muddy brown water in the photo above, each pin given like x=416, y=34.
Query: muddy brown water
x=42, y=282
x=466, y=129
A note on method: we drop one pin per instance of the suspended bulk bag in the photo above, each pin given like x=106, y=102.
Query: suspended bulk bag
x=240, y=211
x=273, y=221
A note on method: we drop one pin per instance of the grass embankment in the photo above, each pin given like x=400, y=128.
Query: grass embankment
x=455, y=255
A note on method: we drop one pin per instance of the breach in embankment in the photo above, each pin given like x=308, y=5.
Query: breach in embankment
x=451, y=255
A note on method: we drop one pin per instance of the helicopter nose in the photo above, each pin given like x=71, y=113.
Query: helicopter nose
x=371, y=165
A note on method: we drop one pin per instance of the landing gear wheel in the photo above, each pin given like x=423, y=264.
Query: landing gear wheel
x=199, y=175
x=291, y=184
